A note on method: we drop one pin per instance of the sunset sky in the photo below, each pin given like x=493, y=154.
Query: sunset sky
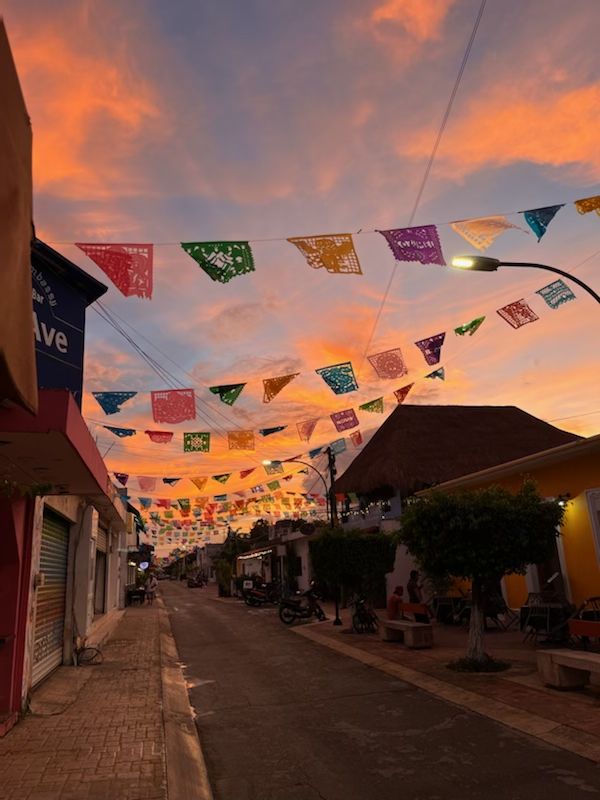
x=261, y=119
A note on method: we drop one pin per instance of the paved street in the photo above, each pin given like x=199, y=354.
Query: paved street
x=281, y=718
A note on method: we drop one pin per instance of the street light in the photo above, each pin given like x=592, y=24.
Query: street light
x=330, y=507
x=487, y=264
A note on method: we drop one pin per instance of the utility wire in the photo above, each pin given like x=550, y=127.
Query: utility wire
x=428, y=169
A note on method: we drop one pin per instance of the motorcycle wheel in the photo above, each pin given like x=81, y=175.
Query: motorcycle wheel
x=374, y=623
x=248, y=600
x=287, y=615
x=358, y=623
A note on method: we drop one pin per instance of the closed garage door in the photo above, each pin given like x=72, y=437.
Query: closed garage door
x=50, y=598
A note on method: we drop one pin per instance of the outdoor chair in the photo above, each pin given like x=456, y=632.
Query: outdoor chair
x=538, y=616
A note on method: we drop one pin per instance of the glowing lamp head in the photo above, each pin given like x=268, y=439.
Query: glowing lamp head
x=266, y=462
x=462, y=262
x=476, y=263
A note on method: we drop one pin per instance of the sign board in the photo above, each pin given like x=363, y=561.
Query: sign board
x=58, y=330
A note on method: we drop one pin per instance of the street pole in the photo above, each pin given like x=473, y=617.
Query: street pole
x=334, y=521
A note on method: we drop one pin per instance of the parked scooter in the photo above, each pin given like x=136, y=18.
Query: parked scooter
x=195, y=582
x=258, y=596
x=303, y=606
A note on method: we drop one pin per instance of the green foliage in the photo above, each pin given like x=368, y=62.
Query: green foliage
x=234, y=546
x=223, y=572
x=483, y=533
x=260, y=530
x=352, y=558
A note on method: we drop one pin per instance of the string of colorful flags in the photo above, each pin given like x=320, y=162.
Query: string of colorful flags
x=130, y=266
x=174, y=406
x=151, y=484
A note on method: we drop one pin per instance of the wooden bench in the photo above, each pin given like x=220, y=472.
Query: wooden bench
x=567, y=669
x=412, y=633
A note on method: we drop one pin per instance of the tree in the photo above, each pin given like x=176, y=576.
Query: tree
x=480, y=536
x=259, y=532
x=352, y=558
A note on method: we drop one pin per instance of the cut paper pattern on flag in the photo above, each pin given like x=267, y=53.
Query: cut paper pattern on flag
x=274, y=468
x=273, y=485
x=221, y=261
x=122, y=477
x=334, y=252
x=373, y=406
x=145, y=502
x=241, y=440
x=588, y=204
x=111, y=402
x=389, y=364
x=556, y=293
x=220, y=498
x=147, y=484
x=338, y=446
x=245, y=472
x=171, y=481
x=173, y=405
x=470, y=327
x=517, y=313
x=120, y=432
x=437, y=373
x=163, y=502
x=538, y=219
x=270, y=431
x=306, y=429
x=343, y=420
x=432, y=348
x=159, y=437
x=420, y=244
x=129, y=266
x=482, y=232
x=400, y=394
x=339, y=377
x=356, y=438
x=272, y=386
x=183, y=503
x=222, y=478
x=228, y=393
x=314, y=453
x=198, y=442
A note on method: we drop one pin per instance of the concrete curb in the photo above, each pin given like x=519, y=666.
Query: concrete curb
x=187, y=777
x=549, y=731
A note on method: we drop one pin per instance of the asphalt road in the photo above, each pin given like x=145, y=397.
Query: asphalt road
x=281, y=718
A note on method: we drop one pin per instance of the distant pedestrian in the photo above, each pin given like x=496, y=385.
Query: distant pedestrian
x=415, y=594
x=395, y=601
x=150, y=588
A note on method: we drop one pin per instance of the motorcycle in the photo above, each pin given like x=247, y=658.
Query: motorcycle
x=265, y=593
x=303, y=606
x=364, y=619
x=195, y=582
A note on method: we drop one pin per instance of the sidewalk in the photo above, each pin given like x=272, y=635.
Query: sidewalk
x=516, y=698
x=99, y=731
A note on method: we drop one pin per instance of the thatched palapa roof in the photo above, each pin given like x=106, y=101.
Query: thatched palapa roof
x=420, y=445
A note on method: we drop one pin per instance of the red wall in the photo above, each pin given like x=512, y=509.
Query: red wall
x=16, y=522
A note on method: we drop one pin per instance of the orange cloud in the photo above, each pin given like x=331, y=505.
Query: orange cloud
x=421, y=21
x=88, y=109
x=499, y=129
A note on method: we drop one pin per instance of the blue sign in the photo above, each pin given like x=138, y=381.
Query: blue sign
x=58, y=328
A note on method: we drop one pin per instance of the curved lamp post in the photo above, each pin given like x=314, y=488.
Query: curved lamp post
x=266, y=462
x=487, y=264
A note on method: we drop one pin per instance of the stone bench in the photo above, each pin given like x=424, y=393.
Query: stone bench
x=567, y=669
x=412, y=634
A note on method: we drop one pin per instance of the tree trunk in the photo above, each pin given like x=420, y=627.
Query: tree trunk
x=475, y=649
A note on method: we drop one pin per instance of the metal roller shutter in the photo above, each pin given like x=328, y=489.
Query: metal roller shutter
x=102, y=540
x=50, y=598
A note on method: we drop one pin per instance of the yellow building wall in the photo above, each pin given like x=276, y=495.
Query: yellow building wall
x=516, y=590
x=571, y=477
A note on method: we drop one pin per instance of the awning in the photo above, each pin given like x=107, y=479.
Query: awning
x=53, y=452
